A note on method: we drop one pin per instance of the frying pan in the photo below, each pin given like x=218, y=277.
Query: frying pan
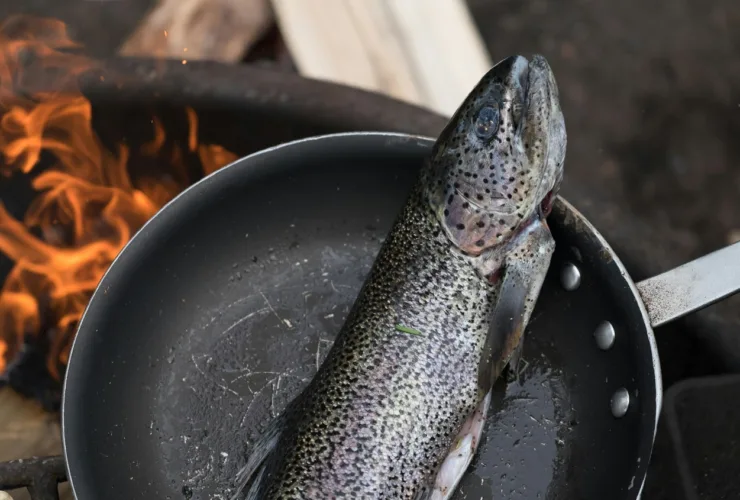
x=222, y=306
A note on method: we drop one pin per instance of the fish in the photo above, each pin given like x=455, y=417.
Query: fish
x=397, y=408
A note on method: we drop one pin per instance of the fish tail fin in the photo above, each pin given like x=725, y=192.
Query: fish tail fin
x=254, y=470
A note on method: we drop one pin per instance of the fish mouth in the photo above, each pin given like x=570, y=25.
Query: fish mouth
x=525, y=79
x=544, y=84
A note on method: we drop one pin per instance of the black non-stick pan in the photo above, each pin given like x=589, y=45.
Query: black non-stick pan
x=223, y=305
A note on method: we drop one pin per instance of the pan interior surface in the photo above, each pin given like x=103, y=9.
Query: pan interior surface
x=222, y=307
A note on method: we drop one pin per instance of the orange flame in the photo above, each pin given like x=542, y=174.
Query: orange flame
x=88, y=205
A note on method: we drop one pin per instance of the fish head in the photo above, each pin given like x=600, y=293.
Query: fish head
x=499, y=161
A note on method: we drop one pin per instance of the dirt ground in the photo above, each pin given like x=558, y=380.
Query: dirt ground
x=651, y=95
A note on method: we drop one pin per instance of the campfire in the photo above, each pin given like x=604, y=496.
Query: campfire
x=91, y=196
x=88, y=199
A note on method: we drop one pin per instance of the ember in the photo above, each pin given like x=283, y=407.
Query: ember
x=88, y=203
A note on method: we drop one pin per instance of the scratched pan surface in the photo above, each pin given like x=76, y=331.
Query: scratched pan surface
x=220, y=310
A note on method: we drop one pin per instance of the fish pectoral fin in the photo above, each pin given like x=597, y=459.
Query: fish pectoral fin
x=461, y=453
x=513, y=369
x=253, y=470
x=255, y=488
x=524, y=271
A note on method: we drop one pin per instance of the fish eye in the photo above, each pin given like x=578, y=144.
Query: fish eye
x=487, y=122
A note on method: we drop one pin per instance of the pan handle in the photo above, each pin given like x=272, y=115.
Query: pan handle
x=691, y=286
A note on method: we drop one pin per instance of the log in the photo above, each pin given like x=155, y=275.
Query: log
x=427, y=52
x=26, y=430
x=216, y=30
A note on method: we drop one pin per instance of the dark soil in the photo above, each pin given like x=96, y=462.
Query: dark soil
x=651, y=94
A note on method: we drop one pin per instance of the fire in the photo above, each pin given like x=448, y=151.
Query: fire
x=88, y=204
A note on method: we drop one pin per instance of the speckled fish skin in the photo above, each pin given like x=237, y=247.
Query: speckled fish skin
x=378, y=418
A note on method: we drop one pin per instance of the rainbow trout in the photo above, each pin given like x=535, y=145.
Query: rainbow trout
x=397, y=408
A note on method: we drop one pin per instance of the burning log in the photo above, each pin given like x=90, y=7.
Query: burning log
x=88, y=202
x=219, y=30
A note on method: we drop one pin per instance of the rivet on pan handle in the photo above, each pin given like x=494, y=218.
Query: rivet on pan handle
x=691, y=286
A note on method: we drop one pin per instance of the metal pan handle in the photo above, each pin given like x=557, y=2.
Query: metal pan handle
x=692, y=286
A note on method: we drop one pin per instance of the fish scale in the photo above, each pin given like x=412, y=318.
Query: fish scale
x=439, y=293
x=395, y=410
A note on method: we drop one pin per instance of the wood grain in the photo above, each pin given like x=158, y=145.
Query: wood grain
x=26, y=430
x=216, y=30
x=425, y=52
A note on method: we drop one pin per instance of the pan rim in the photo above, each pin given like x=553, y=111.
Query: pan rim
x=657, y=373
x=389, y=137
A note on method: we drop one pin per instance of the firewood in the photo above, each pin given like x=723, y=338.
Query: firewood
x=216, y=30
x=427, y=52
